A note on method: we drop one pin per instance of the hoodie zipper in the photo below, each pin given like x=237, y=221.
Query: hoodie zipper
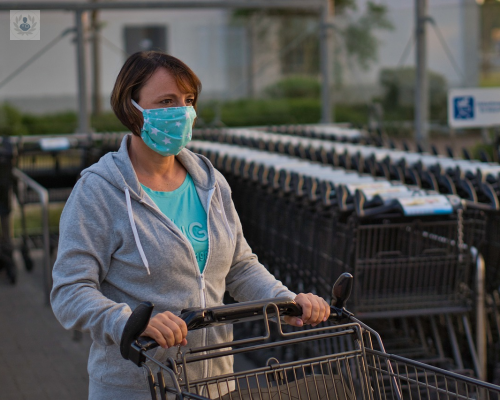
x=201, y=276
x=202, y=280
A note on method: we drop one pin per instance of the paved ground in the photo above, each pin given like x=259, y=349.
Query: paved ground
x=38, y=358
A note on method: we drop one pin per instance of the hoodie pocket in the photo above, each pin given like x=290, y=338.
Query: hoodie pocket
x=120, y=372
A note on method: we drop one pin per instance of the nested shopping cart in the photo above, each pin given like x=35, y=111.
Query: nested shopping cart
x=359, y=369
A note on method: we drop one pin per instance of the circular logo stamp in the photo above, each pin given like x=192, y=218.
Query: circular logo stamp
x=25, y=24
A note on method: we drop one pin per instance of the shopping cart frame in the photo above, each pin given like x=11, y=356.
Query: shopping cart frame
x=375, y=374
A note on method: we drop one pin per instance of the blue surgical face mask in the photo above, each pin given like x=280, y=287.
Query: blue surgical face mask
x=167, y=130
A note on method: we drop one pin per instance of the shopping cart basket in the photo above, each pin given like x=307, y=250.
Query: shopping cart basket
x=361, y=370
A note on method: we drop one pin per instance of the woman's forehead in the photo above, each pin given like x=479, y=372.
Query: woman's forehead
x=165, y=82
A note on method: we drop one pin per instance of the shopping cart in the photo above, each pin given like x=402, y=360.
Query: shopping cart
x=360, y=370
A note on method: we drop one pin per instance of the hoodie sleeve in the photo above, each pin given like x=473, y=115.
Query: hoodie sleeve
x=86, y=245
x=248, y=279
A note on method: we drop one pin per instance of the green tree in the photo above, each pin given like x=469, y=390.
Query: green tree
x=11, y=121
x=399, y=93
x=358, y=36
x=298, y=35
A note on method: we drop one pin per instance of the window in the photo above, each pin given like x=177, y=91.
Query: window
x=143, y=38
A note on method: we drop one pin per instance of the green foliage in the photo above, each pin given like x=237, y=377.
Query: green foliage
x=487, y=148
x=34, y=219
x=294, y=87
x=356, y=114
x=267, y=112
x=343, y=5
x=11, y=121
x=55, y=123
x=399, y=93
x=251, y=112
x=107, y=122
x=246, y=112
x=359, y=41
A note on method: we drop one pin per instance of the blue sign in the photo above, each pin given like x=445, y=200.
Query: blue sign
x=463, y=107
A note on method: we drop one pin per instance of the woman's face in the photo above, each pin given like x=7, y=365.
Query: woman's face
x=161, y=91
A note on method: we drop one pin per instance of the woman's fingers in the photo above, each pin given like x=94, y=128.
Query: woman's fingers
x=326, y=310
x=167, y=329
x=180, y=322
x=303, y=301
x=163, y=326
x=314, y=308
x=155, y=334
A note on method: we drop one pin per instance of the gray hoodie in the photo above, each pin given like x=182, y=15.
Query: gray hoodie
x=117, y=249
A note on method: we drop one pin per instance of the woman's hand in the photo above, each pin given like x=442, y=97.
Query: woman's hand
x=167, y=329
x=314, y=310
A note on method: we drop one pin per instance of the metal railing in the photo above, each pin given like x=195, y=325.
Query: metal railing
x=43, y=195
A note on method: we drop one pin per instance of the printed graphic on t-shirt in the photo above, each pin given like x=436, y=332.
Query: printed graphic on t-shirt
x=197, y=235
x=201, y=257
x=184, y=208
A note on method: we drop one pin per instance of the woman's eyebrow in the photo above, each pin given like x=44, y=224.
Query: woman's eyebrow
x=166, y=95
x=172, y=95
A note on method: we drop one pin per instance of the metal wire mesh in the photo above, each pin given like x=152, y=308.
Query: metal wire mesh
x=337, y=377
x=421, y=381
x=334, y=363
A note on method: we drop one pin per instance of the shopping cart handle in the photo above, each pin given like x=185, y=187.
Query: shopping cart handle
x=132, y=345
x=197, y=318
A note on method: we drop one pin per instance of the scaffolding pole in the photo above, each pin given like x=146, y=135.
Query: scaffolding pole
x=81, y=66
x=326, y=49
x=310, y=5
x=421, y=81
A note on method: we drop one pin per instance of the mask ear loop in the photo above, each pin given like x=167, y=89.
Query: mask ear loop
x=137, y=105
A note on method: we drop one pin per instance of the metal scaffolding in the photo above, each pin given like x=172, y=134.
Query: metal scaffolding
x=319, y=7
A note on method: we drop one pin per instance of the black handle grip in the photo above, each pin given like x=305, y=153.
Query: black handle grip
x=197, y=318
x=146, y=343
x=135, y=325
x=341, y=290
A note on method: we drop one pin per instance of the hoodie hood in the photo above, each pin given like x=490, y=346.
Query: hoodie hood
x=116, y=168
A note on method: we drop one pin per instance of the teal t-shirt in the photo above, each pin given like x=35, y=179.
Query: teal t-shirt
x=184, y=208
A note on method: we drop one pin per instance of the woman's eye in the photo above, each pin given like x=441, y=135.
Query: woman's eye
x=190, y=101
x=166, y=101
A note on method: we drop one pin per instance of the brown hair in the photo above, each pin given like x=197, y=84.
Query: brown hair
x=134, y=74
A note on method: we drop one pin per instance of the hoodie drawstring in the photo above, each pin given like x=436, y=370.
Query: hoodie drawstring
x=136, y=235
x=134, y=230
x=221, y=211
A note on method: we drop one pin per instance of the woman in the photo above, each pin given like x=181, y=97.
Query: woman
x=154, y=222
